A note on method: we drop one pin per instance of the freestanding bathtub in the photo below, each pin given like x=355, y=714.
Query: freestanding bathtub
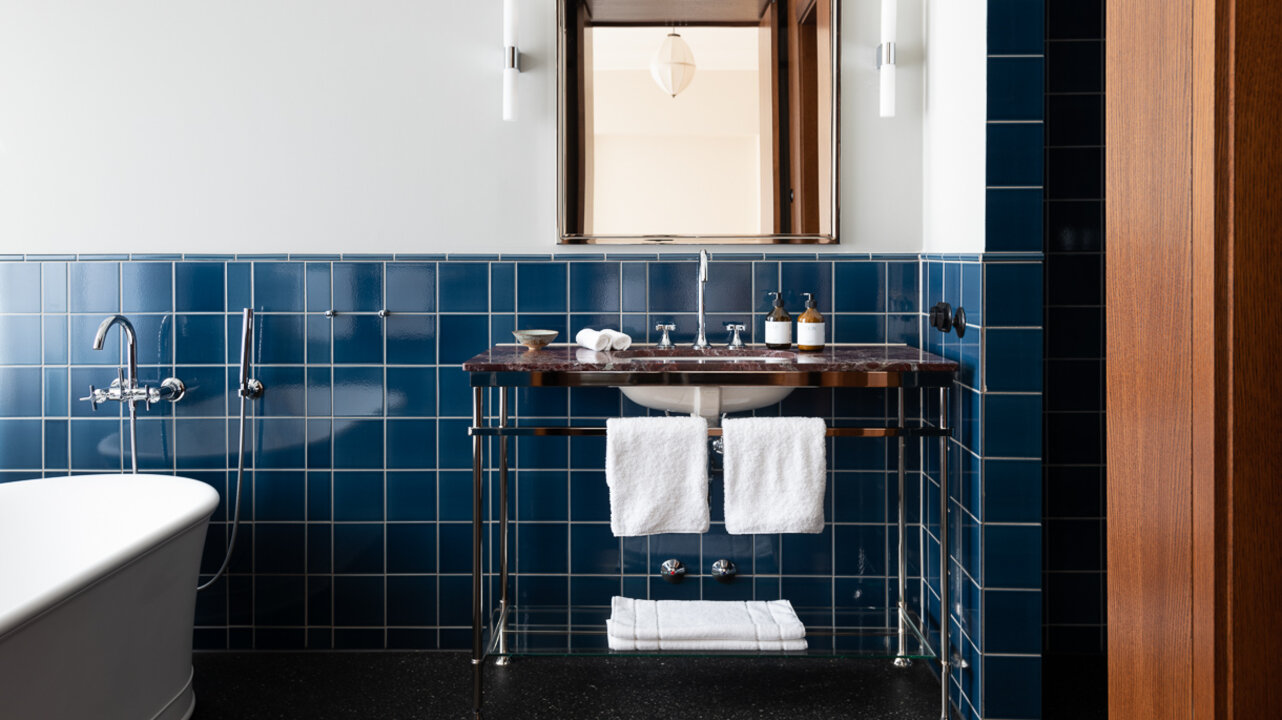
x=97, y=595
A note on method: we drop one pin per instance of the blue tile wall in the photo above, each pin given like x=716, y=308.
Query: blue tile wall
x=358, y=500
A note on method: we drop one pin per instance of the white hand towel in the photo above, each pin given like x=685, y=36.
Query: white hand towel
x=715, y=620
x=775, y=474
x=626, y=644
x=618, y=340
x=593, y=340
x=657, y=470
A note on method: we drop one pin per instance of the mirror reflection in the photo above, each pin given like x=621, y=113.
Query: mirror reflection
x=706, y=121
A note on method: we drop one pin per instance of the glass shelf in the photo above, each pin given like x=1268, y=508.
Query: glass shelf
x=580, y=631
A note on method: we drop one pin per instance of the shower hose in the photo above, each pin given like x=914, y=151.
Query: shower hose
x=249, y=388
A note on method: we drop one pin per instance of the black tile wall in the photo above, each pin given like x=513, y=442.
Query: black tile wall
x=1074, y=472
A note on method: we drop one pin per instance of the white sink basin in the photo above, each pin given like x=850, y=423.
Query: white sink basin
x=706, y=401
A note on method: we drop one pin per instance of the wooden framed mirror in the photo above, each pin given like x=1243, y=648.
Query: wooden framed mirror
x=698, y=122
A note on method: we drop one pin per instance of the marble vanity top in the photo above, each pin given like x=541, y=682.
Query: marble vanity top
x=564, y=358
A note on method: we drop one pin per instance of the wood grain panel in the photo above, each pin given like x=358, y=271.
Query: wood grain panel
x=1149, y=290
x=1255, y=436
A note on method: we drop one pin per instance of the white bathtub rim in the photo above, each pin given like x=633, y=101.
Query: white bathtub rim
x=184, y=702
x=27, y=609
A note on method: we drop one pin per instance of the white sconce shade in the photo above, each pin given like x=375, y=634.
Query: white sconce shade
x=886, y=56
x=511, y=60
x=672, y=66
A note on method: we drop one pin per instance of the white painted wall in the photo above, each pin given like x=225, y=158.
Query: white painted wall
x=954, y=124
x=341, y=126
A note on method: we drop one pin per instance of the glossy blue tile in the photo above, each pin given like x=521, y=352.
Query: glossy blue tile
x=595, y=287
x=279, y=497
x=860, y=550
x=455, y=496
x=411, y=600
x=541, y=287
x=358, y=391
x=358, y=496
x=278, y=286
x=1012, y=686
x=358, y=287
x=20, y=445
x=320, y=396
x=1015, y=155
x=57, y=440
x=83, y=329
x=1012, y=556
x=12, y=326
x=94, y=287
x=57, y=395
x=411, y=392
x=358, y=601
x=1014, y=360
x=903, y=292
x=199, y=287
x=462, y=337
x=411, y=339
x=155, y=344
x=1015, y=88
x=589, y=496
x=279, y=600
x=1013, y=294
x=319, y=295
x=455, y=447
x=358, y=444
x=904, y=329
x=199, y=443
x=544, y=547
x=319, y=330
x=95, y=444
x=358, y=548
x=147, y=287
x=19, y=287
x=855, y=328
x=729, y=288
x=411, y=496
x=1016, y=27
x=635, y=286
x=281, y=442
x=456, y=601
x=199, y=339
x=320, y=444
x=56, y=350
x=464, y=287
x=411, y=287
x=503, y=287
x=411, y=547
x=972, y=294
x=542, y=495
x=455, y=535
x=411, y=444
x=673, y=286
x=358, y=339
x=279, y=339
x=1012, y=622
x=594, y=550
x=319, y=507
x=860, y=287
x=53, y=277
x=240, y=286
x=807, y=277
x=808, y=554
x=287, y=396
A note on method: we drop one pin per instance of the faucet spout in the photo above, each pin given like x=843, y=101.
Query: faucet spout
x=701, y=341
x=131, y=340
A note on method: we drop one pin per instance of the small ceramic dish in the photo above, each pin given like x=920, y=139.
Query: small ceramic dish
x=535, y=339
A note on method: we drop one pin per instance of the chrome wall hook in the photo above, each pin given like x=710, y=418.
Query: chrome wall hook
x=673, y=570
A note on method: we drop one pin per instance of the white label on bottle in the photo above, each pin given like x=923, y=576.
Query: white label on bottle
x=810, y=334
x=778, y=332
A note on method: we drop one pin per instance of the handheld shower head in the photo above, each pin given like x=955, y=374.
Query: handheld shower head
x=249, y=387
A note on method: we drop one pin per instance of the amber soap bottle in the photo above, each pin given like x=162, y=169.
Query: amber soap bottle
x=810, y=327
x=778, y=326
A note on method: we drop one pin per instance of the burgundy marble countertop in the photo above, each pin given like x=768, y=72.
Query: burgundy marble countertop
x=564, y=358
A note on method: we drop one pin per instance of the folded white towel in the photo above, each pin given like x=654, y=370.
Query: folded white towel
x=704, y=620
x=593, y=340
x=618, y=643
x=657, y=470
x=775, y=474
x=618, y=340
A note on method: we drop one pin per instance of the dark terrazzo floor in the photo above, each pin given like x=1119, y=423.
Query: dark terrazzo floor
x=394, y=686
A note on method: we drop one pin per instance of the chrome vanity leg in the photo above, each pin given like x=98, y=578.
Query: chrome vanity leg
x=945, y=654
x=901, y=658
x=478, y=401
x=503, y=659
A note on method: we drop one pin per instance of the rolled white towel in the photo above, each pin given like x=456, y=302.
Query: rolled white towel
x=593, y=340
x=618, y=340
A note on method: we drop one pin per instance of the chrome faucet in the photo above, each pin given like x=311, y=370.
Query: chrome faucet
x=125, y=387
x=701, y=341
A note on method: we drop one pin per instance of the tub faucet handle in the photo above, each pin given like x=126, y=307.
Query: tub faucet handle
x=665, y=342
x=736, y=343
x=96, y=397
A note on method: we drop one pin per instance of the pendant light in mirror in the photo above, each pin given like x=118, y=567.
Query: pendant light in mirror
x=672, y=66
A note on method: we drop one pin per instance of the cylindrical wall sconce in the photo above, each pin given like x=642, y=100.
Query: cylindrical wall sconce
x=511, y=59
x=886, y=56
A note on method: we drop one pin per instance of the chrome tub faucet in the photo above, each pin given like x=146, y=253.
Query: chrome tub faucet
x=701, y=341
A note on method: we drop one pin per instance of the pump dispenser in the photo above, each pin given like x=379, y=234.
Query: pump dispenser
x=778, y=326
x=810, y=327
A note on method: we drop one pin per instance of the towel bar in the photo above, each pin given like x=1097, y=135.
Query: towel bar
x=545, y=431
